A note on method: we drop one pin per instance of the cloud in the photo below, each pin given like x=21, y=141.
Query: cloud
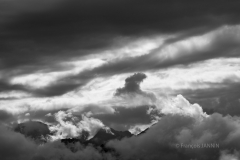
x=134, y=107
x=132, y=111
x=225, y=155
x=45, y=116
x=137, y=107
x=5, y=117
x=70, y=126
x=126, y=117
x=49, y=32
x=132, y=84
x=179, y=106
x=223, y=99
x=118, y=112
x=54, y=89
x=15, y=146
x=58, y=150
x=223, y=42
x=132, y=87
x=182, y=123
x=4, y=86
x=159, y=142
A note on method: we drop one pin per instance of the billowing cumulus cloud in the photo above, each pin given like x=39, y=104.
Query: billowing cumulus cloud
x=70, y=126
x=180, y=106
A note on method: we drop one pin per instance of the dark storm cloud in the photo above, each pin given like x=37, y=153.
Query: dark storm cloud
x=132, y=84
x=55, y=89
x=132, y=87
x=34, y=33
x=5, y=86
x=61, y=86
x=5, y=116
x=161, y=140
x=14, y=146
x=224, y=44
x=158, y=142
x=37, y=36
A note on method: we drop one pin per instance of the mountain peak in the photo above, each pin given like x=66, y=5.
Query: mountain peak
x=106, y=134
x=34, y=129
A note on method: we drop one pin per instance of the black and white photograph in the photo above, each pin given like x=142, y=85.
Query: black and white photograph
x=119, y=79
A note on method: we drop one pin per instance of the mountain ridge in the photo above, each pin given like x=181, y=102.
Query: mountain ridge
x=103, y=135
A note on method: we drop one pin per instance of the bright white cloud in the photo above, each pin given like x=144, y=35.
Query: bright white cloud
x=14, y=94
x=70, y=126
x=39, y=80
x=180, y=106
x=197, y=76
x=126, y=47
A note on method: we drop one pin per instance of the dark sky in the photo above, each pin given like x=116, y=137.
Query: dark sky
x=80, y=65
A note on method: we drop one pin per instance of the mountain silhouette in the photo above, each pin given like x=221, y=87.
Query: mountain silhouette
x=40, y=132
x=106, y=134
x=101, y=138
x=35, y=130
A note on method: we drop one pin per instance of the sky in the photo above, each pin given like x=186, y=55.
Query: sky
x=81, y=65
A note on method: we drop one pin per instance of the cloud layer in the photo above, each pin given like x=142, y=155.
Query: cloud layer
x=171, y=137
x=82, y=65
